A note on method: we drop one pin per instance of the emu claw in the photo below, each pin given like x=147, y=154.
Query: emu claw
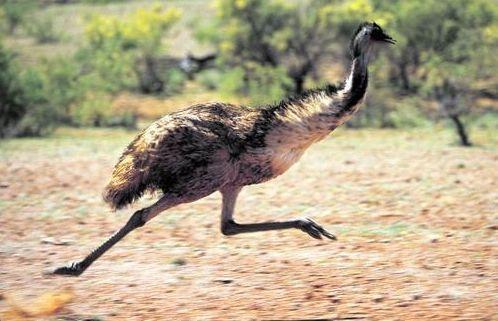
x=314, y=230
x=74, y=269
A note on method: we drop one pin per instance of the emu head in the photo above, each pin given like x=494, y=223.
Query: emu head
x=366, y=35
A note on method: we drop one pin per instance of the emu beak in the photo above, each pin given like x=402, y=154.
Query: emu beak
x=388, y=39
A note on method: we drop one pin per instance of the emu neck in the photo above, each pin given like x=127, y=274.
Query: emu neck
x=355, y=86
x=311, y=117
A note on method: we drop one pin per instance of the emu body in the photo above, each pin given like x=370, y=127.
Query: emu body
x=223, y=147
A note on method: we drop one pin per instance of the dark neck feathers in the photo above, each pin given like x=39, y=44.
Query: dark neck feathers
x=357, y=82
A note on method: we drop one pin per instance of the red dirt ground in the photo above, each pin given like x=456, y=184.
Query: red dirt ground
x=416, y=220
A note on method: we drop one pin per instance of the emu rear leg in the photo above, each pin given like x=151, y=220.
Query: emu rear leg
x=138, y=219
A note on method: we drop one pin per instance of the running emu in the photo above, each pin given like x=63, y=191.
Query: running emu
x=222, y=147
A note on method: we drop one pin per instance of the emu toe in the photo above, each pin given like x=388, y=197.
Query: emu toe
x=314, y=229
x=74, y=269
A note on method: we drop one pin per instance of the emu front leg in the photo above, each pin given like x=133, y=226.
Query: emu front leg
x=229, y=227
x=304, y=224
x=138, y=219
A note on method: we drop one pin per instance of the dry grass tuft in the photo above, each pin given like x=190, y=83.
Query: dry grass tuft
x=46, y=304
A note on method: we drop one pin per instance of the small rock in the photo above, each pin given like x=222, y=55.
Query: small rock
x=224, y=281
x=51, y=240
x=179, y=262
x=416, y=297
x=378, y=299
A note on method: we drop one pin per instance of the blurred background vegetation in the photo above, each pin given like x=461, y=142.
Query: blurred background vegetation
x=97, y=63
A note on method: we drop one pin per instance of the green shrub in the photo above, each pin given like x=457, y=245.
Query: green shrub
x=210, y=78
x=101, y=1
x=12, y=96
x=25, y=109
x=119, y=47
x=13, y=13
x=407, y=116
x=233, y=81
x=384, y=109
x=488, y=120
x=261, y=84
x=43, y=30
x=268, y=85
x=91, y=111
x=95, y=110
x=82, y=94
x=108, y=69
x=63, y=85
x=41, y=116
x=174, y=81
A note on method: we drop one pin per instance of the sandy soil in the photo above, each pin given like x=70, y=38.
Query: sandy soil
x=416, y=220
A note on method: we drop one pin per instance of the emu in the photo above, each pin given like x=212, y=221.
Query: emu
x=223, y=147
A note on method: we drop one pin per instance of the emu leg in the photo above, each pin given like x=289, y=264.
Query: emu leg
x=304, y=224
x=229, y=227
x=77, y=268
x=138, y=219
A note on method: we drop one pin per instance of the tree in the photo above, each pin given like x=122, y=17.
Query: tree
x=293, y=36
x=441, y=52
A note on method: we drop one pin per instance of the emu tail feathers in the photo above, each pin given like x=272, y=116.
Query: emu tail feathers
x=127, y=184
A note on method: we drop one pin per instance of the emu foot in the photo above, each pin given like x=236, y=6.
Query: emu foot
x=75, y=269
x=313, y=229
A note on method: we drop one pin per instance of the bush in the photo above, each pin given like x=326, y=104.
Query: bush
x=95, y=110
x=262, y=85
x=63, y=84
x=268, y=85
x=233, y=82
x=91, y=111
x=101, y=1
x=24, y=106
x=12, y=96
x=134, y=42
x=488, y=120
x=40, y=118
x=42, y=29
x=210, y=79
x=407, y=116
x=83, y=98
x=13, y=13
x=174, y=81
x=108, y=69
